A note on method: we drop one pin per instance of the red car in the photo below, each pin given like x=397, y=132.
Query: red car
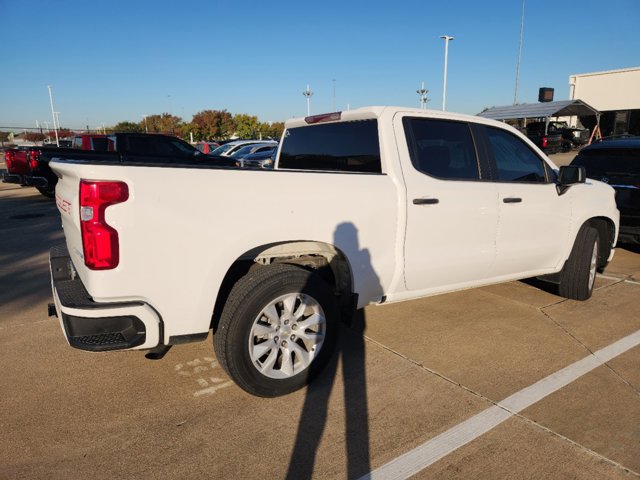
x=17, y=161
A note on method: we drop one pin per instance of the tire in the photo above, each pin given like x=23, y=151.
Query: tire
x=267, y=343
x=47, y=192
x=578, y=275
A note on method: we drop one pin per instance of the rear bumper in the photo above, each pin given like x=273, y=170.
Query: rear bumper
x=98, y=326
x=12, y=178
x=32, y=181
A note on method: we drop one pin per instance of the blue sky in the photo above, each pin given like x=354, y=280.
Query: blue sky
x=114, y=61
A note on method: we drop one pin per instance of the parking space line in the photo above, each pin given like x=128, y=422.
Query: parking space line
x=447, y=442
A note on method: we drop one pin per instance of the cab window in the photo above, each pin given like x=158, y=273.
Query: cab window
x=442, y=148
x=514, y=160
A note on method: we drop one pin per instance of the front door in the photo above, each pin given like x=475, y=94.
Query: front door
x=452, y=214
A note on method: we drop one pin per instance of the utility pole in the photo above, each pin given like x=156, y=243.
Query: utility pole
x=515, y=95
x=446, y=39
x=53, y=114
x=333, y=104
x=308, y=93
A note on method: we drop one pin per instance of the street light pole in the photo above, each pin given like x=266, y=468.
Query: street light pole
x=515, y=95
x=333, y=105
x=422, y=92
x=308, y=93
x=446, y=39
x=53, y=114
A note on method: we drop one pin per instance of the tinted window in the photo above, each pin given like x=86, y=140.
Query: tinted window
x=173, y=147
x=515, y=161
x=345, y=146
x=442, y=148
x=100, y=144
x=140, y=145
x=608, y=163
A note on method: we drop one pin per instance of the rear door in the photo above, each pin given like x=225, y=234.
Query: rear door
x=452, y=212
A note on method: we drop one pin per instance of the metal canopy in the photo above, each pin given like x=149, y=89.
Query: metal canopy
x=563, y=108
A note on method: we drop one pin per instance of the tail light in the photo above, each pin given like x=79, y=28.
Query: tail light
x=99, y=240
x=8, y=159
x=545, y=142
x=33, y=156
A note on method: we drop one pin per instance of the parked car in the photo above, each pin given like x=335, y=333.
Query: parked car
x=549, y=140
x=206, y=147
x=617, y=162
x=369, y=206
x=263, y=159
x=228, y=149
x=253, y=148
x=17, y=162
x=117, y=147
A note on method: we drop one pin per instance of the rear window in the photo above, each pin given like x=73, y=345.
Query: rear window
x=342, y=147
x=100, y=144
x=602, y=163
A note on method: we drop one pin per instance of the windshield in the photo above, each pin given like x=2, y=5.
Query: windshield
x=221, y=149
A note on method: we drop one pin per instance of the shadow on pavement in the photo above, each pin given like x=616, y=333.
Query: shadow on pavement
x=351, y=351
x=29, y=227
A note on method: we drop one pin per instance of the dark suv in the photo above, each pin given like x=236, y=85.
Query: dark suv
x=617, y=162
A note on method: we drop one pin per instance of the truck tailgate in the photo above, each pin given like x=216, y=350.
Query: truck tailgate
x=67, y=201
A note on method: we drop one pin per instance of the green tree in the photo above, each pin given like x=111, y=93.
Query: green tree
x=247, y=126
x=164, y=123
x=4, y=137
x=126, y=127
x=272, y=130
x=212, y=125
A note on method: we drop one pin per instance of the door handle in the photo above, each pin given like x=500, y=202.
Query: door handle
x=425, y=201
x=512, y=200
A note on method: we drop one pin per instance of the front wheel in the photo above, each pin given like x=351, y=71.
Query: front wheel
x=277, y=330
x=579, y=273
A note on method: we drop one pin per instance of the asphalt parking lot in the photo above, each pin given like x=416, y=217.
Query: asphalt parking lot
x=507, y=381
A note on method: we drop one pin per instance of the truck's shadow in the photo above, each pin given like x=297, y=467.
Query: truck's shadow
x=29, y=227
x=351, y=350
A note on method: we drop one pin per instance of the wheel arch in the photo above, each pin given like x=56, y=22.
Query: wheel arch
x=607, y=234
x=326, y=259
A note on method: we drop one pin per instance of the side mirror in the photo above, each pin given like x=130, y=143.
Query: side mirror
x=570, y=175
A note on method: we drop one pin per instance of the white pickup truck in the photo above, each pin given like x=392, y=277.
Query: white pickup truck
x=370, y=206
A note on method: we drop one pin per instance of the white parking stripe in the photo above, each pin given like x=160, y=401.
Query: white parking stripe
x=439, y=447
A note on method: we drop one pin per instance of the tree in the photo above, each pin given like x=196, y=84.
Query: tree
x=127, y=127
x=165, y=123
x=272, y=130
x=246, y=125
x=212, y=125
x=34, y=136
x=4, y=137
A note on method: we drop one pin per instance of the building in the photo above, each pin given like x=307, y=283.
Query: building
x=615, y=93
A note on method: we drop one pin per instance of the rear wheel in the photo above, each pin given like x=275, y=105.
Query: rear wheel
x=277, y=330
x=579, y=273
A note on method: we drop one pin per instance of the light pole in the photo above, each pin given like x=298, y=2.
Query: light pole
x=333, y=106
x=146, y=129
x=422, y=92
x=308, y=93
x=446, y=39
x=53, y=114
x=515, y=95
